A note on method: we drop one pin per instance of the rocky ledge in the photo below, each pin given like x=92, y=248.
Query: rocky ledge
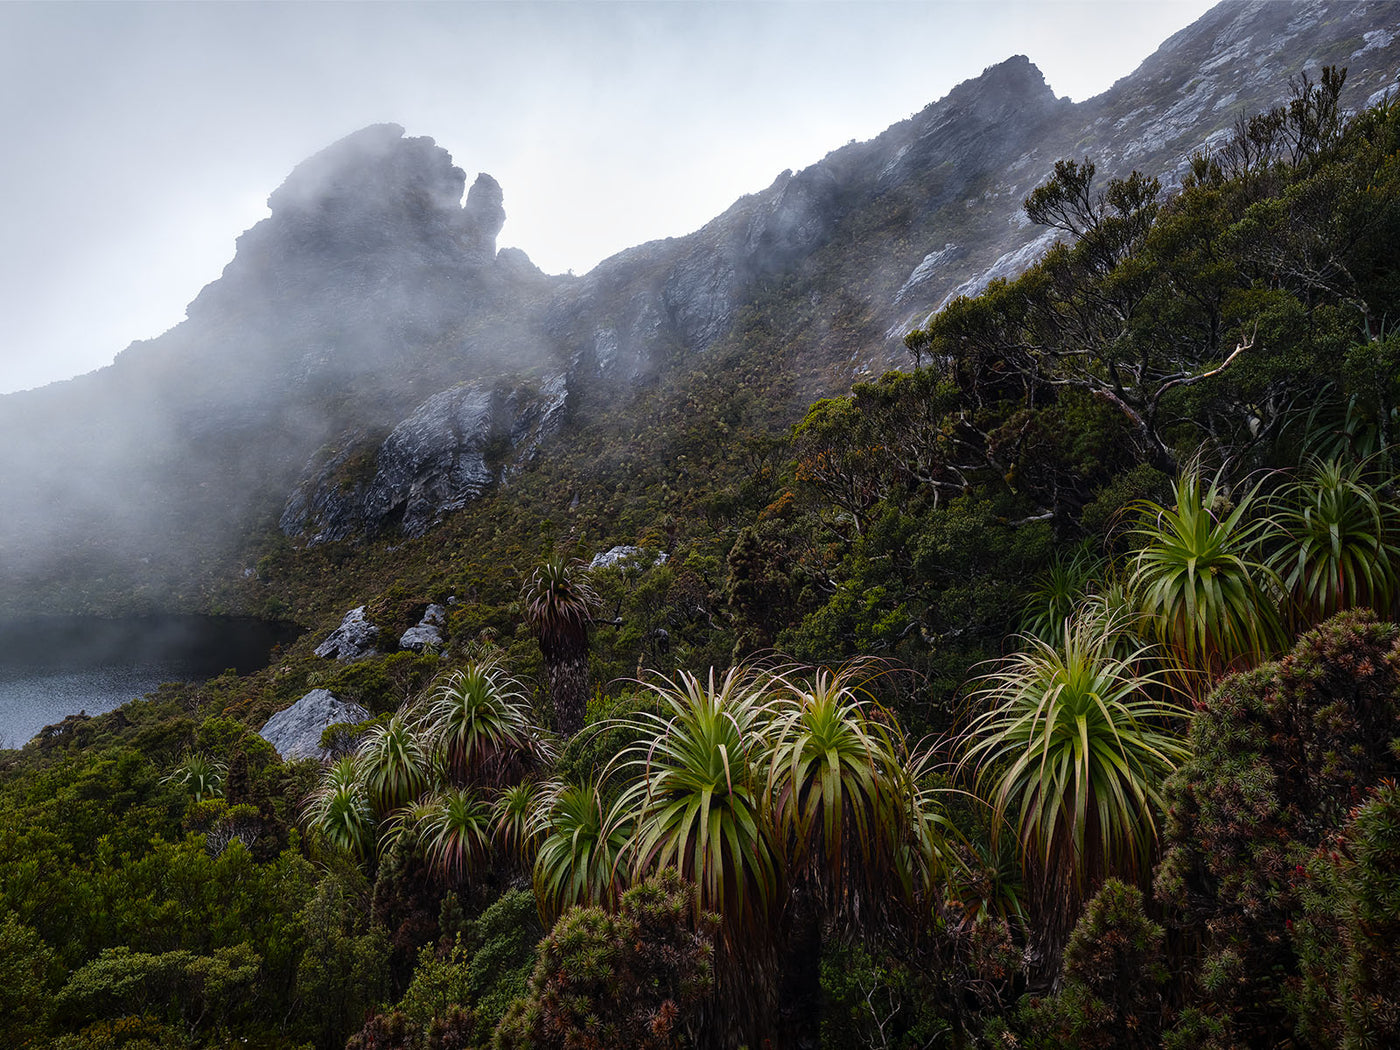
x=445, y=454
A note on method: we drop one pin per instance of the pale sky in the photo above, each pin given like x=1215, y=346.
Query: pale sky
x=142, y=138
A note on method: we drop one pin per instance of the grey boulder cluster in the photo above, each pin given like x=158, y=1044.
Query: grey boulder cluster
x=296, y=731
x=625, y=555
x=357, y=637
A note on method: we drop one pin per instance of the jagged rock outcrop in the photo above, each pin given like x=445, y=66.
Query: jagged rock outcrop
x=370, y=287
x=446, y=453
x=296, y=731
x=354, y=638
x=369, y=255
x=427, y=632
x=623, y=554
x=483, y=215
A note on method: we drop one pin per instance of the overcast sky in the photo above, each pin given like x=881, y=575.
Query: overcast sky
x=142, y=138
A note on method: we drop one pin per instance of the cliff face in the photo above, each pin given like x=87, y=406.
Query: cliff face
x=1235, y=60
x=370, y=287
x=369, y=361
x=369, y=251
x=450, y=450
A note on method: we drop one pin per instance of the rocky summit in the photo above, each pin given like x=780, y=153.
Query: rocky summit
x=371, y=361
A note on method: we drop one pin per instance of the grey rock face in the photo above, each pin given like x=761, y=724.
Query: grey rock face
x=483, y=215
x=1006, y=266
x=428, y=631
x=455, y=445
x=926, y=269
x=354, y=638
x=372, y=285
x=296, y=731
x=1236, y=59
x=637, y=555
x=685, y=292
x=383, y=214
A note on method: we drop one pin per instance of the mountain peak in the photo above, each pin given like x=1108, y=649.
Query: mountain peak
x=377, y=186
x=375, y=164
x=1015, y=78
x=374, y=203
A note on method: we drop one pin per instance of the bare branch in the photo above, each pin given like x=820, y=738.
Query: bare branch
x=1192, y=380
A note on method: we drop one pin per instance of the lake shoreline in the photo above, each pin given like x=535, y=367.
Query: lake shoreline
x=55, y=666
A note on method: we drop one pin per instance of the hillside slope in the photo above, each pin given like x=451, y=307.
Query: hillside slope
x=369, y=361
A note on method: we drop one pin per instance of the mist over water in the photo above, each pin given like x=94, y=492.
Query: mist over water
x=52, y=667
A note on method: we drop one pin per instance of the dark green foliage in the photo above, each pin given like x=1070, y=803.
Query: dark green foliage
x=405, y=904
x=192, y=930
x=343, y=971
x=382, y=683
x=639, y=615
x=1115, y=955
x=1111, y=986
x=127, y=1033
x=934, y=589
x=1281, y=755
x=431, y=1015
x=876, y=1000
x=758, y=589
x=1346, y=939
x=504, y=937
x=1335, y=542
x=930, y=990
x=26, y=963
x=612, y=726
x=179, y=986
x=462, y=988
x=340, y=739
x=638, y=979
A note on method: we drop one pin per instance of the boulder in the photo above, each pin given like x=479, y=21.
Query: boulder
x=428, y=631
x=354, y=638
x=296, y=731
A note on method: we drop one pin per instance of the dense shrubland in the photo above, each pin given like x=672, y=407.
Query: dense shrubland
x=1085, y=730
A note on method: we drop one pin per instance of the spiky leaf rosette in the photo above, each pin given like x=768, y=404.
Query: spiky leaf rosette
x=339, y=810
x=202, y=775
x=1335, y=543
x=559, y=606
x=1072, y=749
x=835, y=786
x=581, y=840
x=697, y=795
x=478, y=719
x=1205, y=595
x=394, y=765
x=455, y=830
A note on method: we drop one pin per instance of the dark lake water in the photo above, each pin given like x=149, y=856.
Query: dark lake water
x=55, y=666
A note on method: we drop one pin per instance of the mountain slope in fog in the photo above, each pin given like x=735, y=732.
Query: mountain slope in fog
x=370, y=361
